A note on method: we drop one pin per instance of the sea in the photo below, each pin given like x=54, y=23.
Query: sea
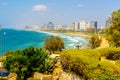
x=11, y=39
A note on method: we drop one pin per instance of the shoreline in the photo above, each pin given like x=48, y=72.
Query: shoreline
x=79, y=34
x=104, y=42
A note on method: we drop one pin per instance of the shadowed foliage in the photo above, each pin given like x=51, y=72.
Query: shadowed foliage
x=25, y=62
x=113, y=31
x=53, y=43
x=94, y=41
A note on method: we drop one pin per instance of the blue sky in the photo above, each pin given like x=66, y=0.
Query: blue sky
x=19, y=13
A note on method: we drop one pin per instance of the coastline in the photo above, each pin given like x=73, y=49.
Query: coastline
x=104, y=42
x=78, y=34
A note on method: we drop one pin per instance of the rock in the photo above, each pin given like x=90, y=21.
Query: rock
x=12, y=76
x=40, y=76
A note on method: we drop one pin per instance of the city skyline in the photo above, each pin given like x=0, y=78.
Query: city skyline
x=18, y=14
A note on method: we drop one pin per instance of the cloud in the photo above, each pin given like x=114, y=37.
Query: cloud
x=39, y=8
x=80, y=5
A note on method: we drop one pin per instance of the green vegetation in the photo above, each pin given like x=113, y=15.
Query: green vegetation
x=25, y=62
x=111, y=53
x=113, y=32
x=94, y=41
x=88, y=64
x=53, y=43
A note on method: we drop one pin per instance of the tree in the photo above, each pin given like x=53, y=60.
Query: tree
x=53, y=43
x=113, y=31
x=94, y=41
x=25, y=62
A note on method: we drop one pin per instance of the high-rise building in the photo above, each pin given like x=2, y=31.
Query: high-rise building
x=82, y=25
x=50, y=26
x=59, y=27
x=45, y=27
x=77, y=26
x=95, y=25
x=88, y=25
x=73, y=26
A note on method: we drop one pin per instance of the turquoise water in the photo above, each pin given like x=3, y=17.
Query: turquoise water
x=19, y=39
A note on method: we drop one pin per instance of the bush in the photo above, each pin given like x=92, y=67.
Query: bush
x=78, y=62
x=109, y=78
x=111, y=53
x=113, y=31
x=86, y=63
x=94, y=41
x=25, y=62
x=53, y=44
x=65, y=58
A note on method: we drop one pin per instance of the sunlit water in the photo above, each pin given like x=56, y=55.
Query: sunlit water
x=19, y=39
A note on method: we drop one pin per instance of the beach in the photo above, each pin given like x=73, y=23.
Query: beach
x=78, y=34
x=103, y=44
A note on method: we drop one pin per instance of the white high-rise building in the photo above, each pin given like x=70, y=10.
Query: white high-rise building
x=45, y=27
x=88, y=25
x=59, y=27
x=82, y=25
x=73, y=26
x=77, y=26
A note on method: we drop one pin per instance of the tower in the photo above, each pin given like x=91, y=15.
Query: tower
x=50, y=26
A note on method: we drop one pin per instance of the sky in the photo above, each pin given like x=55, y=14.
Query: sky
x=21, y=13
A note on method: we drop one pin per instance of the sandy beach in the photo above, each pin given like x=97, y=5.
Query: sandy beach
x=104, y=42
x=77, y=34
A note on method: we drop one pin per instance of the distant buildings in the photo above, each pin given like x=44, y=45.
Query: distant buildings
x=95, y=25
x=50, y=26
x=73, y=26
x=33, y=27
x=59, y=27
x=84, y=26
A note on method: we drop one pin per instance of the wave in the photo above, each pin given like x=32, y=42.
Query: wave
x=20, y=39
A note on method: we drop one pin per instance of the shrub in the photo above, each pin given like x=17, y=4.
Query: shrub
x=111, y=53
x=65, y=58
x=109, y=78
x=86, y=63
x=25, y=62
x=113, y=31
x=94, y=41
x=53, y=44
x=78, y=62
